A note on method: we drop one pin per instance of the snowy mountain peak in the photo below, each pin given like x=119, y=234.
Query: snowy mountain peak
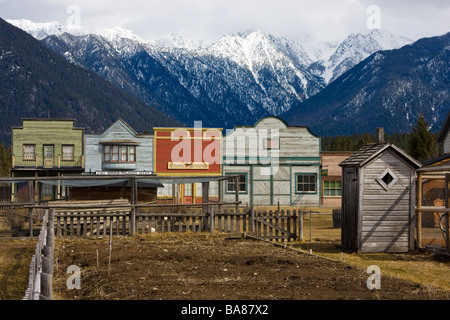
x=42, y=30
x=355, y=48
x=176, y=41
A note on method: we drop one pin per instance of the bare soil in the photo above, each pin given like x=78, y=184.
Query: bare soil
x=214, y=267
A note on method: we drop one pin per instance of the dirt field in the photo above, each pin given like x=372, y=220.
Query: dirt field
x=205, y=267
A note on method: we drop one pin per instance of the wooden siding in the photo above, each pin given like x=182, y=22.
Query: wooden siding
x=119, y=131
x=446, y=144
x=296, y=143
x=386, y=215
x=192, y=146
x=299, y=152
x=40, y=132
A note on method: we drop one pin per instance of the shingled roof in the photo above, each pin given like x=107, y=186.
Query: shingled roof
x=368, y=152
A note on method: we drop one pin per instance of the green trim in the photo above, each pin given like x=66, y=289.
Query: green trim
x=266, y=195
x=306, y=174
x=285, y=164
x=290, y=184
x=269, y=158
x=235, y=174
x=251, y=186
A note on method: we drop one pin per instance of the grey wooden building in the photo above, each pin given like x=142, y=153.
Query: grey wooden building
x=119, y=148
x=276, y=164
x=378, y=200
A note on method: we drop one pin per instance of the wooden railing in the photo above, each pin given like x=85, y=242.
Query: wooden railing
x=41, y=162
x=95, y=224
x=41, y=266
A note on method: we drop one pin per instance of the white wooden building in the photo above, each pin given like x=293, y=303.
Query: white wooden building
x=276, y=164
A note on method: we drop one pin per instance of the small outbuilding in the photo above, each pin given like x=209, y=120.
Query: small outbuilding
x=378, y=199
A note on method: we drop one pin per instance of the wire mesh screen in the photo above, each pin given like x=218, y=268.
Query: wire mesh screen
x=434, y=220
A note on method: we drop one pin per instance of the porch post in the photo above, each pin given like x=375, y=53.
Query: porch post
x=134, y=200
x=236, y=183
x=419, y=213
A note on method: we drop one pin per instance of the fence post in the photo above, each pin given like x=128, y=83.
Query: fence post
x=30, y=210
x=252, y=219
x=211, y=219
x=300, y=224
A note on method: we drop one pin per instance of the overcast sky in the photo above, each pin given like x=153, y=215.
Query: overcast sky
x=208, y=20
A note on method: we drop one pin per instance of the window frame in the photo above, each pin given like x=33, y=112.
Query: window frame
x=297, y=175
x=231, y=182
x=73, y=152
x=335, y=189
x=26, y=153
x=116, y=153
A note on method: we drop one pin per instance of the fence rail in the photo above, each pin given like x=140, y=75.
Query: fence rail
x=278, y=226
x=41, y=267
x=95, y=224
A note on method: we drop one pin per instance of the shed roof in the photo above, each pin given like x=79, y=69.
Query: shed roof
x=371, y=151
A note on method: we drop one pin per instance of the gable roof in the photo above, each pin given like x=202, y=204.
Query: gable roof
x=444, y=130
x=371, y=151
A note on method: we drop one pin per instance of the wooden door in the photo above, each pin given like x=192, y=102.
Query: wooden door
x=187, y=197
x=350, y=200
x=48, y=156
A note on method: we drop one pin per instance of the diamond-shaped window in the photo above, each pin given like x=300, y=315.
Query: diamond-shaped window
x=387, y=179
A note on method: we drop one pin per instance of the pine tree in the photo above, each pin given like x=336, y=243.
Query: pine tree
x=422, y=143
x=5, y=161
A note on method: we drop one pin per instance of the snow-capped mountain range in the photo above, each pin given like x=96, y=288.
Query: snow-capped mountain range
x=236, y=80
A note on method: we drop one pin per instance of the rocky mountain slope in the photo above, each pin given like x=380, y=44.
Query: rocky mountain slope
x=390, y=89
x=38, y=83
x=234, y=81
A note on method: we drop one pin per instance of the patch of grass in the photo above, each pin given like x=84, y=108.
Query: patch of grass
x=418, y=267
x=15, y=258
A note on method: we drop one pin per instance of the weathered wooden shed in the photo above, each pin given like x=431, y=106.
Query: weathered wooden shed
x=378, y=200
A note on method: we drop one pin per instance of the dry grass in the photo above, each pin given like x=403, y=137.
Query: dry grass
x=15, y=258
x=419, y=267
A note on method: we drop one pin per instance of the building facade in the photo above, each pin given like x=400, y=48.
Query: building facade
x=118, y=149
x=332, y=177
x=378, y=200
x=121, y=151
x=45, y=147
x=183, y=152
x=276, y=164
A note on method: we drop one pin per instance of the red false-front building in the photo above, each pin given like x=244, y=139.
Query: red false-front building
x=187, y=152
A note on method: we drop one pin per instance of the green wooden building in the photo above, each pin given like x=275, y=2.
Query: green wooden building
x=45, y=147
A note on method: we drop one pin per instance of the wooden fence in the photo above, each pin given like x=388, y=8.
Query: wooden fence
x=97, y=224
x=41, y=266
x=278, y=226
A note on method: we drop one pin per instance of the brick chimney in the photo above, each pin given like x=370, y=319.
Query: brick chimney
x=380, y=135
